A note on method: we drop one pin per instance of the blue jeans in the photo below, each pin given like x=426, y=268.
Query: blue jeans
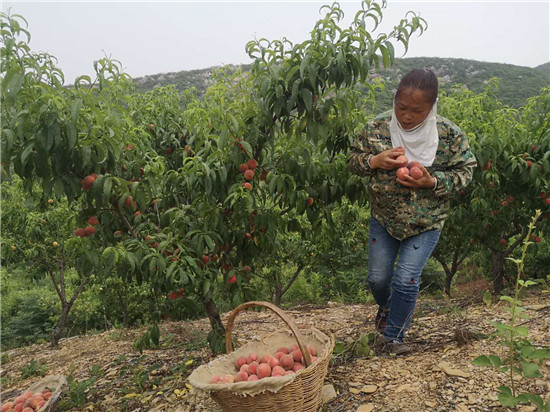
x=397, y=289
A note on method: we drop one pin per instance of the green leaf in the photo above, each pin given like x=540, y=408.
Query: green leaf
x=155, y=335
x=307, y=98
x=487, y=298
x=506, y=398
x=482, y=361
x=530, y=370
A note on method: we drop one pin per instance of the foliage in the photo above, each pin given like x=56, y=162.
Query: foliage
x=33, y=368
x=79, y=392
x=523, y=357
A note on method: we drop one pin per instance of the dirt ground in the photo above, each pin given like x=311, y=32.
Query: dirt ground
x=438, y=376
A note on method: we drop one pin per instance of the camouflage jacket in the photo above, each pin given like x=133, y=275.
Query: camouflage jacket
x=404, y=211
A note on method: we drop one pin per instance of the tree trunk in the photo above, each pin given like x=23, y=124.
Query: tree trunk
x=57, y=333
x=497, y=273
x=216, y=338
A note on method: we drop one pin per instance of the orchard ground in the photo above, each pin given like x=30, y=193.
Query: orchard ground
x=439, y=376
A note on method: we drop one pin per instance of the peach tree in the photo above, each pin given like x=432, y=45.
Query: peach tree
x=510, y=184
x=190, y=195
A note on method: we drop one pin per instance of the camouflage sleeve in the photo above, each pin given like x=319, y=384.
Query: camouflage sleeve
x=358, y=155
x=459, y=169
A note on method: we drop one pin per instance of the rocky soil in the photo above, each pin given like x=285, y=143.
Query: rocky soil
x=438, y=376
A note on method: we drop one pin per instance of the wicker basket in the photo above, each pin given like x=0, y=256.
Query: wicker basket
x=299, y=392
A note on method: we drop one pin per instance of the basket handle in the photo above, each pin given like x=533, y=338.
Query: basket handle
x=285, y=318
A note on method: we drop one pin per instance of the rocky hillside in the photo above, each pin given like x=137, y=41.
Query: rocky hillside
x=516, y=85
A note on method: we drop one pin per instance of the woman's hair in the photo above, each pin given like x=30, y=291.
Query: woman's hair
x=420, y=79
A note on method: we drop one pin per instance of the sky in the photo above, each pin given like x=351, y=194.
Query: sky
x=161, y=37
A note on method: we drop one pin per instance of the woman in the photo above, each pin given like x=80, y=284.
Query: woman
x=407, y=214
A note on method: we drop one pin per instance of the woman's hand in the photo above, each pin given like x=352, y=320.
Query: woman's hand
x=427, y=180
x=386, y=160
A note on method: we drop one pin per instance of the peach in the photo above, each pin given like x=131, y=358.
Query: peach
x=287, y=361
x=289, y=373
x=20, y=399
x=413, y=163
x=215, y=379
x=251, y=358
x=244, y=368
x=402, y=172
x=403, y=161
x=252, y=378
x=293, y=348
x=266, y=359
x=297, y=355
x=283, y=350
x=272, y=362
x=312, y=350
x=279, y=355
x=240, y=362
x=229, y=378
x=241, y=377
x=416, y=172
x=18, y=407
x=264, y=370
x=27, y=409
x=40, y=405
x=249, y=174
x=33, y=402
x=46, y=394
x=253, y=368
x=297, y=366
x=277, y=371
x=7, y=406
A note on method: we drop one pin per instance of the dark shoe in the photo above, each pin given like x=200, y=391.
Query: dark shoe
x=381, y=319
x=397, y=348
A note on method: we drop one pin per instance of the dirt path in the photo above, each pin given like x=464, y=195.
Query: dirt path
x=438, y=376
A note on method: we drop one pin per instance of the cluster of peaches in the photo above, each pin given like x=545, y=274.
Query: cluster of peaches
x=27, y=402
x=285, y=362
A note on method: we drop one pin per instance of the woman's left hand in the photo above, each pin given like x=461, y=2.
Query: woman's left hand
x=426, y=181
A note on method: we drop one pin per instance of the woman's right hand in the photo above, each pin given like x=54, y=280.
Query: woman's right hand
x=386, y=160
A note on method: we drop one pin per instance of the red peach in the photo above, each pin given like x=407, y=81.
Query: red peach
x=40, y=405
x=240, y=362
x=547, y=201
x=297, y=355
x=18, y=408
x=264, y=370
x=312, y=350
x=279, y=355
x=310, y=201
x=247, y=186
x=402, y=172
x=92, y=220
x=403, y=161
x=265, y=359
x=251, y=358
x=252, y=378
x=413, y=163
x=273, y=362
x=287, y=361
x=416, y=172
x=244, y=368
x=243, y=167
x=89, y=230
x=7, y=406
x=253, y=368
x=289, y=372
x=283, y=350
x=252, y=164
x=297, y=366
x=241, y=377
x=277, y=371
x=249, y=174
x=215, y=378
x=20, y=399
x=292, y=348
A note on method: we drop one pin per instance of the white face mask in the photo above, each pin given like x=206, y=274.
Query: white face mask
x=421, y=142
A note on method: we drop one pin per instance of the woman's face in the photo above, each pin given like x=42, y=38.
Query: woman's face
x=411, y=108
